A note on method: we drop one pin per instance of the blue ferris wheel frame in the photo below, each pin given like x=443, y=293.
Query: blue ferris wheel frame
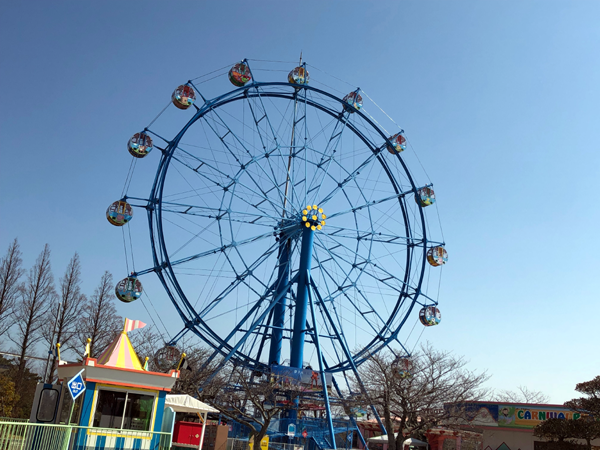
x=307, y=287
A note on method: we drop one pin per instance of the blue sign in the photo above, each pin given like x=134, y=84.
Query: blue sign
x=76, y=385
x=291, y=430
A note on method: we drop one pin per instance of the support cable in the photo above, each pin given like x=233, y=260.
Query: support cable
x=158, y=315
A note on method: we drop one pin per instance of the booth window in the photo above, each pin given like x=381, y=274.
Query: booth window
x=47, y=405
x=138, y=412
x=123, y=410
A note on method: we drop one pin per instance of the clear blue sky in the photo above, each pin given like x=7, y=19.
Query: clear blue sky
x=500, y=99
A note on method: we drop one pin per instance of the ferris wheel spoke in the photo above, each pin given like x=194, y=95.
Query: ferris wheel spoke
x=299, y=118
x=429, y=303
x=240, y=279
x=363, y=263
x=338, y=329
x=220, y=213
x=342, y=291
x=375, y=236
x=195, y=235
x=369, y=348
x=290, y=192
x=254, y=310
x=203, y=163
x=330, y=334
x=328, y=155
x=243, y=165
x=222, y=248
x=339, y=285
x=230, y=219
x=360, y=266
x=271, y=304
x=232, y=181
x=352, y=175
x=264, y=140
x=374, y=202
x=250, y=269
x=372, y=310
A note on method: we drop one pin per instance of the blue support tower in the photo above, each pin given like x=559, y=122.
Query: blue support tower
x=299, y=330
x=279, y=311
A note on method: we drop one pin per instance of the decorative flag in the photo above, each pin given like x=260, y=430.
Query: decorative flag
x=131, y=325
x=146, y=363
x=185, y=365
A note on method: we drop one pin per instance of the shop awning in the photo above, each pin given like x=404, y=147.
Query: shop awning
x=415, y=443
x=186, y=403
x=383, y=439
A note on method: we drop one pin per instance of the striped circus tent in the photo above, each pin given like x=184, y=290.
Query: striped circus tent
x=120, y=353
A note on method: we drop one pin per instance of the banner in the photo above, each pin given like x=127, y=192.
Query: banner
x=528, y=417
x=514, y=415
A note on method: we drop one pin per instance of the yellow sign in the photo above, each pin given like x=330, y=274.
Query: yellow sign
x=264, y=443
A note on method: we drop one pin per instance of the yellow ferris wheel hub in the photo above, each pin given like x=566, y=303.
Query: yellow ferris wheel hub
x=313, y=217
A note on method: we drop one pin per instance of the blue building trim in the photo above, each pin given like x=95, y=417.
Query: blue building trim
x=87, y=404
x=160, y=409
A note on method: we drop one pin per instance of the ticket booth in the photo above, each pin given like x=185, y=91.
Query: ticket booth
x=123, y=404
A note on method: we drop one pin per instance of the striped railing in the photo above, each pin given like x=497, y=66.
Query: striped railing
x=88, y=438
x=30, y=436
x=35, y=436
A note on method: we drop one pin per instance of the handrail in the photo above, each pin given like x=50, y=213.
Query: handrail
x=16, y=435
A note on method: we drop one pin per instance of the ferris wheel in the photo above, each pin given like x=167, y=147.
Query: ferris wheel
x=285, y=225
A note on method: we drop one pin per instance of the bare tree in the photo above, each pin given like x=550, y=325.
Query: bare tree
x=100, y=321
x=10, y=273
x=414, y=403
x=36, y=294
x=61, y=319
x=193, y=373
x=252, y=401
x=196, y=373
x=146, y=341
x=522, y=395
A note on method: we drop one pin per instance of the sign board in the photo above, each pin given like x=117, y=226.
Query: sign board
x=302, y=379
x=515, y=415
x=76, y=385
x=264, y=443
x=291, y=430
